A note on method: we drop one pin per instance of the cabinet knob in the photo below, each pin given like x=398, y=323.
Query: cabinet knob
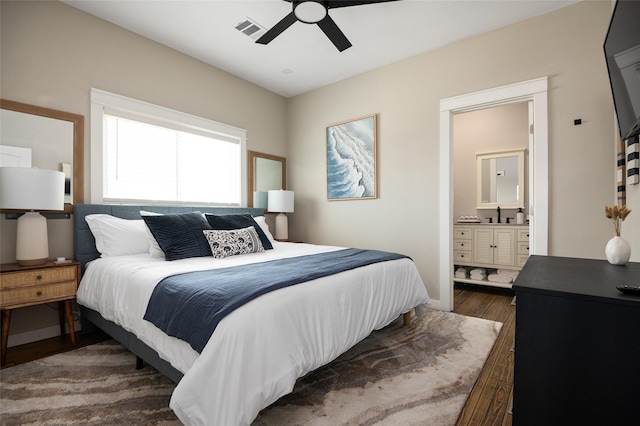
x=39, y=293
x=38, y=277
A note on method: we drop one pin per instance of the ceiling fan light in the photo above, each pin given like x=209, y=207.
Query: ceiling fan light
x=309, y=11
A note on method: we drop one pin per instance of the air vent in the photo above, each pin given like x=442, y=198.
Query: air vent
x=250, y=28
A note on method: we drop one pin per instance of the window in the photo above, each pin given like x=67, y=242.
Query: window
x=143, y=153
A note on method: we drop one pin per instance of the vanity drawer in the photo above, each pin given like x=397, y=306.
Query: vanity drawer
x=462, y=245
x=522, y=259
x=523, y=248
x=462, y=257
x=463, y=233
x=523, y=235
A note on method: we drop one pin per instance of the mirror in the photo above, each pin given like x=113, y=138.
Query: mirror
x=56, y=140
x=500, y=179
x=266, y=172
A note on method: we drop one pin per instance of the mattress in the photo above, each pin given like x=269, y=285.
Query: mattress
x=258, y=351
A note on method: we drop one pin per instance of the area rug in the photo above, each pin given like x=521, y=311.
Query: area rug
x=415, y=375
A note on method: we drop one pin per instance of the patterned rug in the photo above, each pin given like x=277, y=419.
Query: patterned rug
x=421, y=374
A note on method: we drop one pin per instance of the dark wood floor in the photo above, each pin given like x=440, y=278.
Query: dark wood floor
x=489, y=401
x=47, y=347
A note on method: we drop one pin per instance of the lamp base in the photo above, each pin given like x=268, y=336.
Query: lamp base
x=32, y=242
x=282, y=227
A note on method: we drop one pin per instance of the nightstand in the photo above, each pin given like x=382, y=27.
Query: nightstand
x=22, y=286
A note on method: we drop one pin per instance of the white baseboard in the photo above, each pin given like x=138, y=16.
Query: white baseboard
x=436, y=304
x=38, y=334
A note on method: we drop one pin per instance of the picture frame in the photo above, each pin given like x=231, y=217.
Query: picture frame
x=351, y=148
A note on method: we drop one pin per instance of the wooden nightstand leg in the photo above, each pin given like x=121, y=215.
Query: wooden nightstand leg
x=69, y=315
x=6, y=319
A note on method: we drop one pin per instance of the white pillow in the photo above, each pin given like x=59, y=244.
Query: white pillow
x=260, y=220
x=154, y=247
x=116, y=236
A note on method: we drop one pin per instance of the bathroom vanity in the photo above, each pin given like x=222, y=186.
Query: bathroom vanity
x=490, y=246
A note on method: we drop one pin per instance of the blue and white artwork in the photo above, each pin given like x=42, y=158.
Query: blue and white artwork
x=351, y=159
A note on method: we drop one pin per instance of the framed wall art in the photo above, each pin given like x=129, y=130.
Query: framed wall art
x=351, y=159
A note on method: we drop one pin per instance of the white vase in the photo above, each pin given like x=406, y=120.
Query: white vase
x=618, y=251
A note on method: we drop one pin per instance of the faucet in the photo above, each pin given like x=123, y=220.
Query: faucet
x=498, y=214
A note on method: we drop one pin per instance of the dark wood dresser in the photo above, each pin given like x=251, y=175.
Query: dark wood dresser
x=577, y=347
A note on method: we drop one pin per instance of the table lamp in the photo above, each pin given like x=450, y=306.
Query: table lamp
x=23, y=188
x=281, y=202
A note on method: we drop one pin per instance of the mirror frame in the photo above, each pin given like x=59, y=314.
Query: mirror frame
x=520, y=154
x=251, y=170
x=78, y=145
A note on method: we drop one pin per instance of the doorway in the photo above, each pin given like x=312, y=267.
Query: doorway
x=533, y=91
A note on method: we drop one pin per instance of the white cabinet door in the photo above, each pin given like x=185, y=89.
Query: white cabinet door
x=483, y=245
x=504, y=253
x=494, y=246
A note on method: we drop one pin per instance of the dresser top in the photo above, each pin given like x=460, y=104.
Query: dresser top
x=582, y=278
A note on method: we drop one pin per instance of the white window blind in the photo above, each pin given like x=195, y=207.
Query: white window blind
x=150, y=159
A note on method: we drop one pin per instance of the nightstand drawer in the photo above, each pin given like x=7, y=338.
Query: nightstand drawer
x=38, y=293
x=37, y=276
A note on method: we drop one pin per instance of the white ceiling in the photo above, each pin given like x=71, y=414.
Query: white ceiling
x=302, y=58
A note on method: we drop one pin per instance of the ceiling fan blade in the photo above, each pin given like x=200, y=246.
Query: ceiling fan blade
x=278, y=28
x=332, y=4
x=334, y=33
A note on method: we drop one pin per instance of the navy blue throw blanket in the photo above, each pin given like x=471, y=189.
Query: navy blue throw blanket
x=189, y=306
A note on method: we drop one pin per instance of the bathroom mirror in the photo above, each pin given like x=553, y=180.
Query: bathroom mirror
x=500, y=179
x=265, y=172
x=56, y=140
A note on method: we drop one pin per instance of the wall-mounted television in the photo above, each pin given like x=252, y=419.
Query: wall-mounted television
x=622, y=53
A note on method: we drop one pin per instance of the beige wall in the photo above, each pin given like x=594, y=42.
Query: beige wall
x=52, y=55
x=565, y=45
x=502, y=128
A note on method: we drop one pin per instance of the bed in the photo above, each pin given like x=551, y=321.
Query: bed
x=259, y=349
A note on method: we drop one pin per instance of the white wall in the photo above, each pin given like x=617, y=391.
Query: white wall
x=565, y=45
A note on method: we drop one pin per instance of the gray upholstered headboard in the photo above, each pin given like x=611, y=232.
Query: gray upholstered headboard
x=85, y=245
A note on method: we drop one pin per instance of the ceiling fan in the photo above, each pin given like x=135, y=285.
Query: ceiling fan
x=316, y=12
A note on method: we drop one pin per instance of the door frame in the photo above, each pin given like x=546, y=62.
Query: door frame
x=534, y=92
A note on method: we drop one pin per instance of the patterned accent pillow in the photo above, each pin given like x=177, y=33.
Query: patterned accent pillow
x=225, y=243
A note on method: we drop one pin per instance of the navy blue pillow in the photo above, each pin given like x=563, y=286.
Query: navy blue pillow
x=227, y=222
x=180, y=236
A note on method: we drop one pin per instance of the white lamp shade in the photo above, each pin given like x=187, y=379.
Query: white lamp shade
x=23, y=188
x=280, y=201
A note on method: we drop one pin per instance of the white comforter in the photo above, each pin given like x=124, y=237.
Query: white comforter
x=257, y=352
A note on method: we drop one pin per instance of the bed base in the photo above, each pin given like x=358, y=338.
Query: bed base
x=92, y=319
